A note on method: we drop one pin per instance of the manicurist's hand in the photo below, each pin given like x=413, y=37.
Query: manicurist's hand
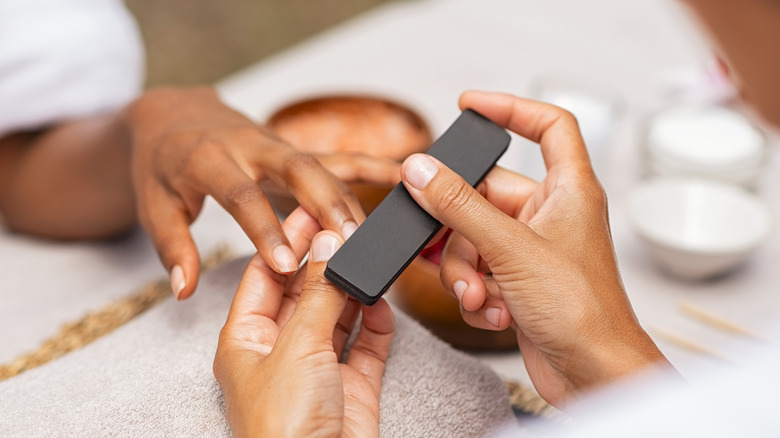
x=278, y=355
x=187, y=144
x=548, y=249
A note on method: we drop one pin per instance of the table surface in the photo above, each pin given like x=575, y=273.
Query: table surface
x=425, y=53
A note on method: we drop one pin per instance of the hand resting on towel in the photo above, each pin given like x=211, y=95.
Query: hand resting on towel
x=278, y=356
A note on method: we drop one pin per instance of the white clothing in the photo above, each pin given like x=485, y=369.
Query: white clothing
x=728, y=400
x=65, y=59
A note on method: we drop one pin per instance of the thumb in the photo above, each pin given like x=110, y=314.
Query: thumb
x=447, y=197
x=321, y=303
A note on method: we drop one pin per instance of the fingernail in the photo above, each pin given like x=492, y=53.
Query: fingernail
x=348, y=229
x=323, y=247
x=177, y=280
x=493, y=315
x=285, y=259
x=459, y=287
x=420, y=170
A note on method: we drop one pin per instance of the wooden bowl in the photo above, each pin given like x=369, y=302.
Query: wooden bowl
x=350, y=124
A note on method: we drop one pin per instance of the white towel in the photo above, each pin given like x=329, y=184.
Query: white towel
x=153, y=377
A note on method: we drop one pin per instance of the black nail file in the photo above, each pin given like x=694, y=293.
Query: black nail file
x=398, y=229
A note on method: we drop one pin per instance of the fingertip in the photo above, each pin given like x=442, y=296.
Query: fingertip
x=459, y=287
x=471, y=294
x=184, y=281
x=380, y=316
x=176, y=249
x=348, y=229
x=472, y=299
x=184, y=271
x=387, y=310
x=178, y=281
x=497, y=315
x=472, y=98
x=324, y=245
x=380, y=309
x=466, y=98
x=493, y=316
x=300, y=227
x=284, y=258
x=418, y=170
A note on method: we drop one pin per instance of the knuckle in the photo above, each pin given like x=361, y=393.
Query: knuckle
x=203, y=150
x=318, y=283
x=592, y=194
x=300, y=168
x=301, y=164
x=345, y=190
x=241, y=196
x=197, y=154
x=318, y=288
x=598, y=203
x=455, y=198
x=300, y=161
x=566, y=117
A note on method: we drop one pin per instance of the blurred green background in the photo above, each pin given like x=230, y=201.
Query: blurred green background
x=201, y=41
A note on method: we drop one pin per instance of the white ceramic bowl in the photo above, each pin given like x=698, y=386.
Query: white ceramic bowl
x=698, y=228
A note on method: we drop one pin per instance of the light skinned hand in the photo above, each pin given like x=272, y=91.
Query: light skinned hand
x=187, y=144
x=548, y=250
x=278, y=355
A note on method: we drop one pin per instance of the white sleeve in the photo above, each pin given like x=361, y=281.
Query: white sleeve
x=65, y=59
x=722, y=400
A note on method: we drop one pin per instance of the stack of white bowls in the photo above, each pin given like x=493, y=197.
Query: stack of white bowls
x=706, y=142
x=696, y=213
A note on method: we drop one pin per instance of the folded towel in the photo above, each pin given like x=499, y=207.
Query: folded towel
x=152, y=377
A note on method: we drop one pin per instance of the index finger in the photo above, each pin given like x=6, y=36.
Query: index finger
x=322, y=194
x=553, y=128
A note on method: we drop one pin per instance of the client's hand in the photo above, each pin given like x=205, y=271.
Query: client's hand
x=278, y=355
x=548, y=249
x=187, y=144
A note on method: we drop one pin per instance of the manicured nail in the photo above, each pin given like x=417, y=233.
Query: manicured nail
x=459, y=287
x=420, y=170
x=177, y=280
x=285, y=259
x=493, y=315
x=323, y=247
x=348, y=229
